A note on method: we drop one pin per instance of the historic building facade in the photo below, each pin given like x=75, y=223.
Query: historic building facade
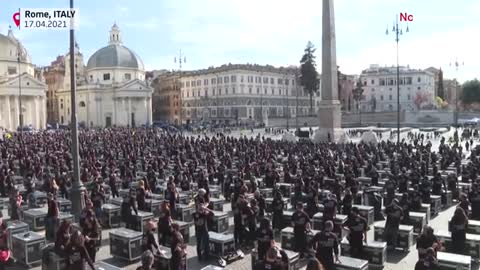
x=111, y=88
x=54, y=76
x=22, y=96
x=166, y=97
x=417, y=89
x=232, y=94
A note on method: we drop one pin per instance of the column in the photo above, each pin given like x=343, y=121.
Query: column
x=16, y=118
x=125, y=118
x=8, y=115
x=37, y=112
x=129, y=111
x=44, y=112
x=114, y=120
x=149, y=110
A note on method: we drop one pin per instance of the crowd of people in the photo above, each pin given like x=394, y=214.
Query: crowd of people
x=117, y=158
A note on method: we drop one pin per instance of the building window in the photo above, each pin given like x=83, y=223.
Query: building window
x=419, y=79
x=12, y=70
x=364, y=83
x=418, y=88
x=381, y=97
x=258, y=90
x=272, y=81
x=199, y=82
x=219, y=80
x=373, y=82
x=226, y=90
x=382, y=81
x=249, y=90
x=280, y=92
x=199, y=93
x=225, y=79
x=273, y=91
x=188, y=84
x=213, y=80
x=241, y=78
x=233, y=78
x=408, y=96
x=213, y=91
x=193, y=93
x=279, y=81
x=82, y=104
x=194, y=84
x=220, y=91
x=390, y=97
x=106, y=76
x=205, y=82
x=206, y=93
x=61, y=105
x=233, y=90
x=265, y=80
x=266, y=91
x=287, y=81
x=128, y=76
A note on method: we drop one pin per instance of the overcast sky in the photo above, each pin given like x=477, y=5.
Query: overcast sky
x=215, y=32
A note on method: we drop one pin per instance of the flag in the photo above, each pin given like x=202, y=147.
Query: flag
x=8, y=136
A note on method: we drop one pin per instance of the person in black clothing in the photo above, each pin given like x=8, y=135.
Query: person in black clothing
x=261, y=204
x=437, y=184
x=458, y=227
x=52, y=216
x=112, y=182
x=77, y=254
x=164, y=223
x=390, y=187
x=97, y=197
x=201, y=218
x=347, y=202
x=264, y=238
x=405, y=205
x=425, y=190
x=63, y=238
x=301, y=224
x=15, y=203
x=272, y=261
x=325, y=244
x=148, y=239
x=429, y=262
x=394, y=216
x=171, y=195
x=92, y=232
x=415, y=199
x=177, y=249
x=251, y=219
x=128, y=205
x=357, y=227
x=147, y=261
x=427, y=240
x=277, y=208
x=141, y=195
x=330, y=208
x=464, y=204
x=474, y=198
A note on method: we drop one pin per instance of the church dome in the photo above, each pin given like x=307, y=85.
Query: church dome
x=9, y=47
x=115, y=54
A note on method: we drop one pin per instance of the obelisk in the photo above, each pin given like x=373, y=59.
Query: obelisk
x=329, y=112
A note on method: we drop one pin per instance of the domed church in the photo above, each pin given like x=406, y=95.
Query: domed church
x=111, y=89
x=17, y=83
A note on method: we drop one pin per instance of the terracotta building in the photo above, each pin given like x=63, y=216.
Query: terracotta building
x=166, y=98
x=54, y=76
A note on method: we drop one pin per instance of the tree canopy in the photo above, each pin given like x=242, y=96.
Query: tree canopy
x=471, y=91
x=308, y=72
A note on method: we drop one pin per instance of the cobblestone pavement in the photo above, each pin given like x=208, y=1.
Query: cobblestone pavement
x=396, y=261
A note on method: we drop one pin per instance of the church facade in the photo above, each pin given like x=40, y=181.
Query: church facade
x=111, y=88
x=22, y=96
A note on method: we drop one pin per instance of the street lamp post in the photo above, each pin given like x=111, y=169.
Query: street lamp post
x=455, y=114
x=296, y=100
x=181, y=59
x=398, y=32
x=20, y=111
x=77, y=191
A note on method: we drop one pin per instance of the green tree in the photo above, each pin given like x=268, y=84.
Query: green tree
x=440, y=89
x=471, y=91
x=308, y=73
